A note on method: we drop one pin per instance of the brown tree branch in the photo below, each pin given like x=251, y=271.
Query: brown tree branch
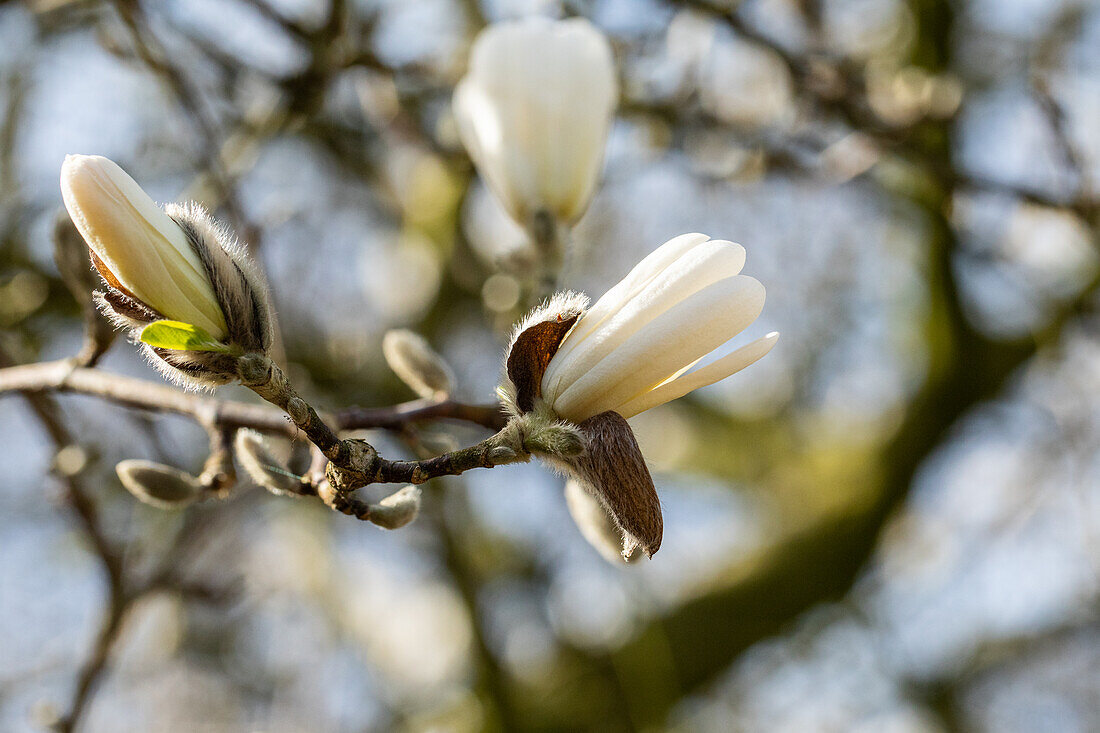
x=63, y=377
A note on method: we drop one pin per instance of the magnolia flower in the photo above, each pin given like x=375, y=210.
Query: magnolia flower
x=534, y=112
x=170, y=264
x=636, y=348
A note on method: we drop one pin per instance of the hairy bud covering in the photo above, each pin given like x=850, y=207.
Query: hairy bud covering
x=412, y=358
x=397, y=509
x=534, y=342
x=262, y=467
x=595, y=524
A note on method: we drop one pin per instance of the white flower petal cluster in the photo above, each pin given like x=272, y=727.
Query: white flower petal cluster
x=138, y=244
x=632, y=350
x=534, y=112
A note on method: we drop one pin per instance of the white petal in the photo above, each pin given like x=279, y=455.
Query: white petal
x=140, y=244
x=716, y=371
x=595, y=524
x=640, y=276
x=693, y=328
x=612, y=321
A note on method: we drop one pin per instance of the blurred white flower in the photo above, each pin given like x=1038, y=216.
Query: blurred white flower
x=136, y=246
x=534, y=112
x=636, y=348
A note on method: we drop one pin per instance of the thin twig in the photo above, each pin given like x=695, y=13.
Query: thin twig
x=63, y=377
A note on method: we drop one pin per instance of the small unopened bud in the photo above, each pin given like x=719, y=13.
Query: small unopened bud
x=414, y=361
x=262, y=467
x=172, y=264
x=597, y=526
x=158, y=485
x=397, y=509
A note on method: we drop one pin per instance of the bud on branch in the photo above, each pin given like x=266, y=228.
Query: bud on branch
x=172, y=264
x=158, y=485
x=412, y=358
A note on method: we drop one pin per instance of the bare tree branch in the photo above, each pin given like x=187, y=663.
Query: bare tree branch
x=63, y=377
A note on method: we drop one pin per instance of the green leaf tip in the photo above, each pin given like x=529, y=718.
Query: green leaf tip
x=180, y=336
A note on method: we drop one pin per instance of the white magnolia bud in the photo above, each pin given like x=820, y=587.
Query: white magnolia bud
x=173, y=264
x=138, y=249
x=397, y=509
x=534, y=112
x=412, y=358
x=158, y=485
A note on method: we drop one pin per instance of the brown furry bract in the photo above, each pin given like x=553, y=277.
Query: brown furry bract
x=614, y=471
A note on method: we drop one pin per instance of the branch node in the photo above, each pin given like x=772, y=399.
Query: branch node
x=262, y=376
x=298, y=410
x=362, y=467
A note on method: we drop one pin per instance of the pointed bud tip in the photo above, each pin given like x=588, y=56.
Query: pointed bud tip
x=75, y=164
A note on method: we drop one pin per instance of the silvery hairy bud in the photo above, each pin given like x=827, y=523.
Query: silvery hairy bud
x=173, y=265
x=412, y=358
x=158, y=485
x=262, y=467
x=397, y=509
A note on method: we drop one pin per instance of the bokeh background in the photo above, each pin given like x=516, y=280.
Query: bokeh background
x=891, y=523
